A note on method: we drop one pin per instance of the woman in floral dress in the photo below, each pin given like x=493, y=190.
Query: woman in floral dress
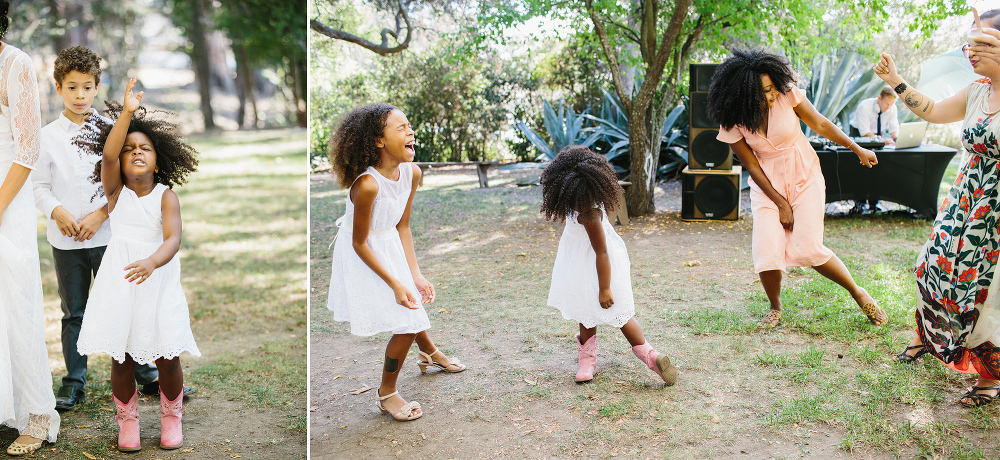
x=957, y=321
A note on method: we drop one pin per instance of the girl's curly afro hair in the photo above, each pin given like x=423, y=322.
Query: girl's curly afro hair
x=576, y=181
x=736, y=97
x=352, y=145
x=174, y=157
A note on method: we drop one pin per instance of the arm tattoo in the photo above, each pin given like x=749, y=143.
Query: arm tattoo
x=928, y=106
x=913, y=100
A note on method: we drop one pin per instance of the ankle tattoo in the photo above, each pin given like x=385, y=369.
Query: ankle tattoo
x=391, y=365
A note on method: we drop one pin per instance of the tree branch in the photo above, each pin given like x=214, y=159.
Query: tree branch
x=382, y=49
x=654, y=71
x=628, y=31
x=612, y=58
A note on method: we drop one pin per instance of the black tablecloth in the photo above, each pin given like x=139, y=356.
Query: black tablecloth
x=910, y=177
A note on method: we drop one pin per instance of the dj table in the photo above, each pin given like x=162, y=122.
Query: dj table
x=910, y=177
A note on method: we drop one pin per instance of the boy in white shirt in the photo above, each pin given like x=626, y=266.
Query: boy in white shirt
x=78, y=229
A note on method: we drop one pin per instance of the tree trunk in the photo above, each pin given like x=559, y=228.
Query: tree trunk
x=299, y=90
x=199, y=56
x=643, y=159
x=244, y=85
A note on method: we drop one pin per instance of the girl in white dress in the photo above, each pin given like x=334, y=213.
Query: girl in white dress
x=590, y=278
x=376, y=284
x=137, y=312
x=26, y=399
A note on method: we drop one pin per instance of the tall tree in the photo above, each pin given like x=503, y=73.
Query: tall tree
x=197, y=33
x=667, y=33
x=401, y=18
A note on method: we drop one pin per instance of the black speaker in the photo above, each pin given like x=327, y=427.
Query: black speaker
x=710, y=195
x=705, y=152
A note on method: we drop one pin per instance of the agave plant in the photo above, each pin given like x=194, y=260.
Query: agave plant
x=839, y=82
x=564, y=127
x=612, y=126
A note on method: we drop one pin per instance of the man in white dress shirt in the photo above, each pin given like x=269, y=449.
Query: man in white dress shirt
x=877, y=117
x=77, y=212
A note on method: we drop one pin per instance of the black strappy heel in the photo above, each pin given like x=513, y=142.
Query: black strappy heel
x=904, y=357
x=979, y=399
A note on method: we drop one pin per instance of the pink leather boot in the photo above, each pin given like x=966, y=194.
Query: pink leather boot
x=128, y=423
x=657, y=362
x=588, y=359
x=170, y=421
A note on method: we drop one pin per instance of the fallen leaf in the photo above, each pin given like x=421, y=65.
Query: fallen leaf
x=530, y=382
x=337, y=377
x=358, y=391
x=693, y=263
x=85, y=454
x=442, y=311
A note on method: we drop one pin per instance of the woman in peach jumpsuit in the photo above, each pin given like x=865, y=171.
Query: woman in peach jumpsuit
x=753, y=98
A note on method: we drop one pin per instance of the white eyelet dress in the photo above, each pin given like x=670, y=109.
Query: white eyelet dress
x=148, y=320
x=26, y=399
x=357, y=294
x=575, y=290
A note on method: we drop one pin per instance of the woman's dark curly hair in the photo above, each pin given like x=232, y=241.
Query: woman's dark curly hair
x=578, y=180
x=736, y=97
x=352, y=145
x=175, y=158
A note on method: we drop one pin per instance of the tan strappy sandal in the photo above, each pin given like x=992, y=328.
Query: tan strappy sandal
x=455, y=366
x=405, y=414
x=875, y=314
x=771, y=319
x=15, y=449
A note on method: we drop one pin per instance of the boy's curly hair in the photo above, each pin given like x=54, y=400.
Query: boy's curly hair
x=174, y=157
x=736, y=97
x=578, y=180
x=352, y=145
x=80, y=59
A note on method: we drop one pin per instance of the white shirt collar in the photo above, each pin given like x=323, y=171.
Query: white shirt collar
x=68, y=124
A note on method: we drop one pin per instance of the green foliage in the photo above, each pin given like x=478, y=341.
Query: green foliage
x=271, y=32
x=460, y=108
x=564, y=127
x=838, y=83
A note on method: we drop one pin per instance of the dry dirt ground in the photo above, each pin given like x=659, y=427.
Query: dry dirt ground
x=517, y=399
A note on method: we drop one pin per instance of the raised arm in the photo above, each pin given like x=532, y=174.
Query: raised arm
x=947, y=110
x=20, y=93
x=111, y=174
x=591, y=221
x=170, y=209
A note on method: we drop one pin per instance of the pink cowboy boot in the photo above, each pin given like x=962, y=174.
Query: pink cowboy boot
x=128, y=423
x=170, y=421
x=657, y=362
x=588, y=359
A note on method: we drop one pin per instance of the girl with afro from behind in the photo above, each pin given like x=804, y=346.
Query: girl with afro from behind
x=375, y=283
x=137, y=312
x=591, y=283
x=754, y=99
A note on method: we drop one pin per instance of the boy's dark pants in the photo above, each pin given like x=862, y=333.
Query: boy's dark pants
x=74, y=271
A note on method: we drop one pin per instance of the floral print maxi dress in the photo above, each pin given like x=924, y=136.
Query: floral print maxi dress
x=956, y=266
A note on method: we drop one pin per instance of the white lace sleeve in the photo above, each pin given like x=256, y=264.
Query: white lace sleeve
x=19, y=91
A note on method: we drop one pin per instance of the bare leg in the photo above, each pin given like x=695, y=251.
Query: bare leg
x=771, y=280
x=123, y=379
x=171, y=377
x=395, y=354
x=586, y=334
x=633, y=333
x=835, y=270
x=425, y=345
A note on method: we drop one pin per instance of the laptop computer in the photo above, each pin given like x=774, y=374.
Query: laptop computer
x=911, y=134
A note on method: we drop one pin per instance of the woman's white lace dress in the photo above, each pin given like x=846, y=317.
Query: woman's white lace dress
x=357, y=294
x=25, y=379
x=575, y=290
x=148, y=320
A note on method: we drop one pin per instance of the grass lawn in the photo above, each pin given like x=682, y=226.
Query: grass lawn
x=244, y=275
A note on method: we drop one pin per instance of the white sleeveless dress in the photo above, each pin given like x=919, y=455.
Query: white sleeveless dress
x=25, y=378
x=149, y=320
x=575, y=290
x=357, y=294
